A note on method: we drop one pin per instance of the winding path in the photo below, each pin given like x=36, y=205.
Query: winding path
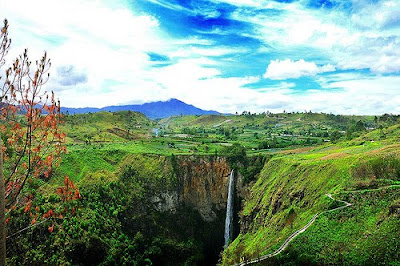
x=223, y=122
x=292, y=236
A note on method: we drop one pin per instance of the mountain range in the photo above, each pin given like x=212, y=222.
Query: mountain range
x=153, y=110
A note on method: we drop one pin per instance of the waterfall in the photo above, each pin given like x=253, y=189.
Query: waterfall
x=229, y=210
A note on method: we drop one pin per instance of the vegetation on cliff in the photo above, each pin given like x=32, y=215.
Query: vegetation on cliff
x=139, y=210
x=151, y=196
x=292, y=188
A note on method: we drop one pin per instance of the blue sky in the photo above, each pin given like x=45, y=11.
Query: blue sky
x=334, y=56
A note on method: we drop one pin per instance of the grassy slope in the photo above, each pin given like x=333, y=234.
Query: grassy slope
x=293, y=119
x=106, y=127
x=288, y=129
x=364, y=234
x=101, y=140
x=130, y=132
x=284, y=180
x=300, y=181
x=294, y=179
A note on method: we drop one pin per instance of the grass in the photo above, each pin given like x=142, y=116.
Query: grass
x=304, y=167
x=362, y=234
x=300, y=181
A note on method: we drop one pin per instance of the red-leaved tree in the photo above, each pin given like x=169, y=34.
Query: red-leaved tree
x=30, y=138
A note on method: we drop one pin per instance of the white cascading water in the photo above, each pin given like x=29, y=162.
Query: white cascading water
x=229, y=210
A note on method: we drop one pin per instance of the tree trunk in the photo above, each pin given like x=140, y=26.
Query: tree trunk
x=2, y=212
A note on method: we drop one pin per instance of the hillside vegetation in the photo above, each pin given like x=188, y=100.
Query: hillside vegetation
x=152, y=189
x=355, y=153
x=141, y=212
x=207, y=134
x=292, y=188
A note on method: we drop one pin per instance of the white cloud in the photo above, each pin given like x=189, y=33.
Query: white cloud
x=168, y=5
x=105, y=40
x=345, y=94
x=357, y=95
x=379, y=54
x=286, y=69
x=380, y=15
x=265, y=4
x=102, y=40
x=297, y=26
x=244, y=3
x=368, y=38
x=109, y=44
x=192, y=51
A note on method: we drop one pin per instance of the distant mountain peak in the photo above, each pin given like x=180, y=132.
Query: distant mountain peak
x=174, y=100
x=154, y=110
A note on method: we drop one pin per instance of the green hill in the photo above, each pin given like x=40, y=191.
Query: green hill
x=106, y=127
x=292, y=188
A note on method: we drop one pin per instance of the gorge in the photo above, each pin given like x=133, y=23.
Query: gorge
x=189, y=196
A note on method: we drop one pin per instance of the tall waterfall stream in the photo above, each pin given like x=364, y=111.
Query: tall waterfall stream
x=229, y=210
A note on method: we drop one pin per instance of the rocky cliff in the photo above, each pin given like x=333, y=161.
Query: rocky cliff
x=200, y=183
x=203, y=184
x=184, y=195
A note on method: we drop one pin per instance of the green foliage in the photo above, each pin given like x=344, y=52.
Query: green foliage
x=208, y=134
x=235, y=154
x=335, y=136
x=79, y=162
x=384, y=168
x=361, y=235
x=291, y=216
x=122, y=171
x=252, y=167
x=118, y=222
x=291, y=189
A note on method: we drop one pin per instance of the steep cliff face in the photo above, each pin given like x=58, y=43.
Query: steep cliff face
x=195, y=199
x=200, y=183
x=185, y=196
x=203, y=184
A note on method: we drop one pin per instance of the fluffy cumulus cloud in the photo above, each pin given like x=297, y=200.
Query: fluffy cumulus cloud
x=364, y=36
x=288, y=69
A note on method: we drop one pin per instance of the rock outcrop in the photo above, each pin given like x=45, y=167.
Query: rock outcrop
x=203, y=184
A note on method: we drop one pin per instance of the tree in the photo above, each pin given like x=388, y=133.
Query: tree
x=235, y=154
x=30, y=139
x=335, y=135
x=359, y=126
x=290, y=217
